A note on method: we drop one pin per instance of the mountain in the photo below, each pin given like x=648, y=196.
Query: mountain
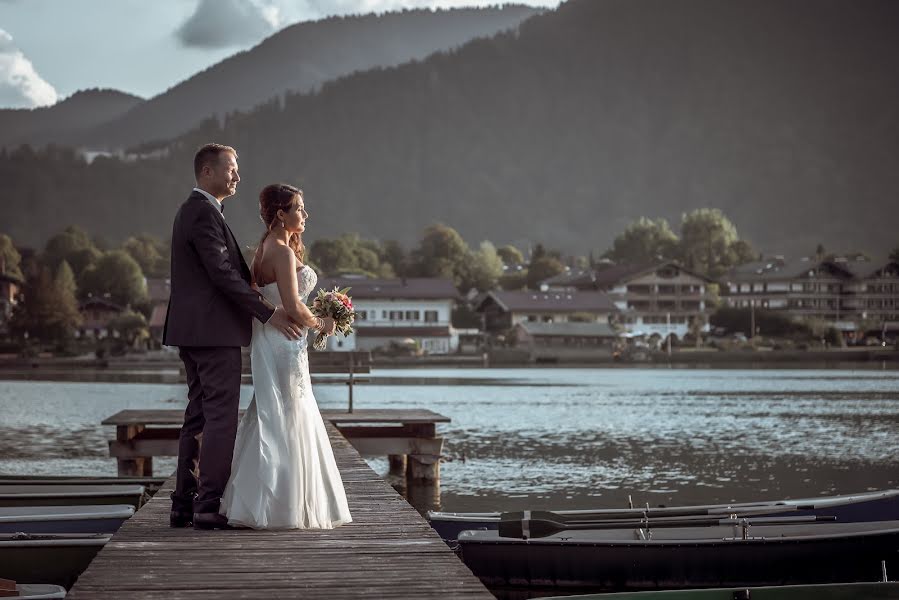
x=300, y=58
x=782, y=113
x=65, y=120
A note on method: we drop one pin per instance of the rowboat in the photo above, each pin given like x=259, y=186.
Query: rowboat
x=56, y=559
x=70, y=495
x=103, y=518
x=849, y=508
x=39, y=591
x=644, y=558
x=152, y=484
x=831, y=591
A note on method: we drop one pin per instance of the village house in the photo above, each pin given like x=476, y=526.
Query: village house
x=847, y=294
x=558, y=341
x=158, y=291
x=397, y=312
x=659, y=299
x=502, y=310
x=96, y=314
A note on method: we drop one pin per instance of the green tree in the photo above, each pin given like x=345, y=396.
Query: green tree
x=10, y=259
x=151, y=253
x=393, y=254
x=644, y=241
x=485, y=268
x=131, y=326
x=543, y=268
x=709, y=242
x=442, y=253
x=334, y=256
x=510, y=255
x=67, y=312
x=50, y=310
x=118, y=275
x=74, y=246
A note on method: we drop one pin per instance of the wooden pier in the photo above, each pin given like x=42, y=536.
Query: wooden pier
x=407, y=436
x=388, y=551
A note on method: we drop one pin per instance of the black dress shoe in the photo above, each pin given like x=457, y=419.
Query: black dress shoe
x=211, y=521
x=179, y=518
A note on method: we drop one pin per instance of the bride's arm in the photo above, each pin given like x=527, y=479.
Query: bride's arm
x=285, y=263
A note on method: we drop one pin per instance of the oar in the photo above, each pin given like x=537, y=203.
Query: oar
x=587, y=517
x=534, y=526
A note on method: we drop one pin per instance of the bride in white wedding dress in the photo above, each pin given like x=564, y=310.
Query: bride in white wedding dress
x=283, y=474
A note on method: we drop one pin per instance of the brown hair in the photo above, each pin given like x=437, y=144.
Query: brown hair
x=209, y=154
x=272, y=198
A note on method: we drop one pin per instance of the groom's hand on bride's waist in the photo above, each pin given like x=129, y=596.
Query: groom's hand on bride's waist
x=283, y=323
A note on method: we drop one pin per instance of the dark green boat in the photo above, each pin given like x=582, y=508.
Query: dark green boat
x=833, y=591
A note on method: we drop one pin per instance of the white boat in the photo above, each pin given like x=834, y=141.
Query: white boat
x=39, y=591
x=102, y=518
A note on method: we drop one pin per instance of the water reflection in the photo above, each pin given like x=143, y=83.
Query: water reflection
x=552, y=437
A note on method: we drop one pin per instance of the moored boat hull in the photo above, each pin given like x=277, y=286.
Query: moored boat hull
x=849, y=508
x=64, y=519
x=615, y=560
x=53, y=559
x=71, y=495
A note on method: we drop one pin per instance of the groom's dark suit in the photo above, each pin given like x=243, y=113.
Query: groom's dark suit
x=209, y=318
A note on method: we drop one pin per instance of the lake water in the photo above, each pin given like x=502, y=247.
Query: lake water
x=561, y=438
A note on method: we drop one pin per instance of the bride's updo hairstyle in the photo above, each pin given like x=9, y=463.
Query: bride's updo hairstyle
x=272, y=198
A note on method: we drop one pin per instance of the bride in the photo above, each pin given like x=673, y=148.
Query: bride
x=283, y=474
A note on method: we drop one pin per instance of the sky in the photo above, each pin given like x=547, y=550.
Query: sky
x=50, y=49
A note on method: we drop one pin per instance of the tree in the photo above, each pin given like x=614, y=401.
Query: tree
x=543, y=268
x=510, y=255
x=115, y=274
x=392, y=253
x=442, y=253
x=333, y=256
x=151, y=253
x=485, y=268
x=644, y=241
x=67, y=312
x=10, y=259
x=74, y=246
x=49, y=311
x=708, y=242
x=131, y=326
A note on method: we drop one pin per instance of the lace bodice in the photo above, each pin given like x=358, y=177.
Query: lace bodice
x=306, y=280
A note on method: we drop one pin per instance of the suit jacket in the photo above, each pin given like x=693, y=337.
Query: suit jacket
x=211, y=301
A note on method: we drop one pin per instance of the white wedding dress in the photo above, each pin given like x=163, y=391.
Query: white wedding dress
x=283, y=474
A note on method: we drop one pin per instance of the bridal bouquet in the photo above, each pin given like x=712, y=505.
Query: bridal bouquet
x=337, y=305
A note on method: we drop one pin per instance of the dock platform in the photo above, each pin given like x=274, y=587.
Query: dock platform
x=388, y=551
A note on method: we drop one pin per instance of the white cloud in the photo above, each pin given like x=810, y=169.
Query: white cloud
x=20, y=85
x=222, y=23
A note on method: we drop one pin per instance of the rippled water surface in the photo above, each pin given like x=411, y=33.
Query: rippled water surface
x=571, y=438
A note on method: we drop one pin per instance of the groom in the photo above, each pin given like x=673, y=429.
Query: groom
x=211, y=309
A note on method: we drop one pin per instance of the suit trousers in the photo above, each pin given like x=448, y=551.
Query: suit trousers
x=213, y=393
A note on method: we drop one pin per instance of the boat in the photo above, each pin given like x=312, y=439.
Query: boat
x=39, y=591
x=849, y=508
x=828, y=591
x=70, y=495
x=645, y=558
x=56, y=559
x=152, y=484
x=102, y=518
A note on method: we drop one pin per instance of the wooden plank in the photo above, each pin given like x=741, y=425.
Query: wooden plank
x=388, y=551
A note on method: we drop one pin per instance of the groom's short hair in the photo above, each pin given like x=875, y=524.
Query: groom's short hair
x=209, y=154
